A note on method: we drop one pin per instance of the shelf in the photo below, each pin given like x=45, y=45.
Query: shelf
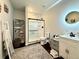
x=19, y=30
x=17, y=27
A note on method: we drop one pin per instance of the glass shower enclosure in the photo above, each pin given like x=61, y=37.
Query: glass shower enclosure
x=36, y=29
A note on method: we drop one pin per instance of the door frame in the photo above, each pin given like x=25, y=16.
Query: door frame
x=28, y=29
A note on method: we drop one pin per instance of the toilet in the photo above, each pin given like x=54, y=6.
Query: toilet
x=43, y=40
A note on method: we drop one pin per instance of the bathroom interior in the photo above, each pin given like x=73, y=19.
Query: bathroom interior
x=39, y=29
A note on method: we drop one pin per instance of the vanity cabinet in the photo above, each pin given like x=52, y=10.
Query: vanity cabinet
x=54, y=45
x=69, y=49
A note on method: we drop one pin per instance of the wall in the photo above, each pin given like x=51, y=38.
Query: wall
x=6, y=17
x=55, y=17
x=19, y=14
x=34, y=15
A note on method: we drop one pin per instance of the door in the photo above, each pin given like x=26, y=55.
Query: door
x=36, y=30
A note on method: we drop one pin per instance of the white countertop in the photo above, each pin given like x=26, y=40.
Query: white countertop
x=69, y=37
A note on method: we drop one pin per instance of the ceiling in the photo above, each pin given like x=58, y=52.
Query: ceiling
x=33, y=5
x=19, y=4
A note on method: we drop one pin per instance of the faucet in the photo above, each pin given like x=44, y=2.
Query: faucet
x=72, y=35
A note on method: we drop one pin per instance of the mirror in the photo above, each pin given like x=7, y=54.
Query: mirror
x=72, y=17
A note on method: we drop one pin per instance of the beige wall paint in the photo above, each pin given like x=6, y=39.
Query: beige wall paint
x=6, y=17
x=34, y=15
x=54, y=18
x=19, y=14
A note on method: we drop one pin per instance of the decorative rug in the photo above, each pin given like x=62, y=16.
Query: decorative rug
x=35, y=51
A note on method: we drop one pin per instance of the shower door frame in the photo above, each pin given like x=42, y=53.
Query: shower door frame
x=28, y=30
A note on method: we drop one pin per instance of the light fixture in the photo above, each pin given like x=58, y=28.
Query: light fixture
x=72, y=17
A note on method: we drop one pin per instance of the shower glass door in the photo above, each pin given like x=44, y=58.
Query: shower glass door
x=36, y=30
